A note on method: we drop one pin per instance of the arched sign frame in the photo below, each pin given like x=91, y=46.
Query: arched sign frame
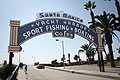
x=60, y=26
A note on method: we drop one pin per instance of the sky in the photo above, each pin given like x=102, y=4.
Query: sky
x=44, y=47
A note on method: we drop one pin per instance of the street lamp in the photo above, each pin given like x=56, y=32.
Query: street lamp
x=34, y=60
x=63, y=52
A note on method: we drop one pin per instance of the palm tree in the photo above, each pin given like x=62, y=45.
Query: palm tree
x=76, y=58
x=92, y=53
x=108, y=23
x=85, y=49
x=89, y=50
x=54, y=62
x=62, y=59
x=117, y=6
x=69, y=58
x=104, y=44
x=90, y=6
x=79, y=51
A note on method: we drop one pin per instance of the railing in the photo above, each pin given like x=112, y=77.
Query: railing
x=12, y=76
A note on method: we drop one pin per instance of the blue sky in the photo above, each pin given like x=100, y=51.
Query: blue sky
x=44, y=47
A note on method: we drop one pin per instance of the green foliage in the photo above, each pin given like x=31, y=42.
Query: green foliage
x=54, y=62
x=76, y=57
x=116, y=62
x=108, y=64
x=4, y=71
x=89, y=5
x=69, y=58
x=108, y=23
x=79, y=51
x=89, y=50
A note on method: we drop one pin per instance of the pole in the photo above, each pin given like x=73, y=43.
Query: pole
x=63, y=54
x=79, y=58
x=34, y=61
x=102, y=62
x=99, y=62
x=100, y=49
x=19, y=57
x=10, y=62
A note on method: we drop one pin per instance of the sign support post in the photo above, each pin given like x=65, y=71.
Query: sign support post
x=99, y=61
x=13, y=47
x=100, y=49
x=102, y=62
x=10, y=62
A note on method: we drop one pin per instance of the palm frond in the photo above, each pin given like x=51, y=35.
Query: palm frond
x=93, y=5
x=80, y=50
x=89, y=4
x=116, y=36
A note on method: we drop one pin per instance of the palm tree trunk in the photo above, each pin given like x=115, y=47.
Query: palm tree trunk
x=108, y=38
x=92, y=16
x=94, y=58
x=118, y=7
x=69, y=58
x=99, y=61
x=79, y=61
x=88, y=60
x=111, y=57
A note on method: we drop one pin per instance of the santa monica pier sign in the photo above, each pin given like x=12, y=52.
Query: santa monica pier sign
x=59, y=23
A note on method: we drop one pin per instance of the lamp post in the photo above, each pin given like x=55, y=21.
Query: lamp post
x=63, y=52
x=34, y=60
